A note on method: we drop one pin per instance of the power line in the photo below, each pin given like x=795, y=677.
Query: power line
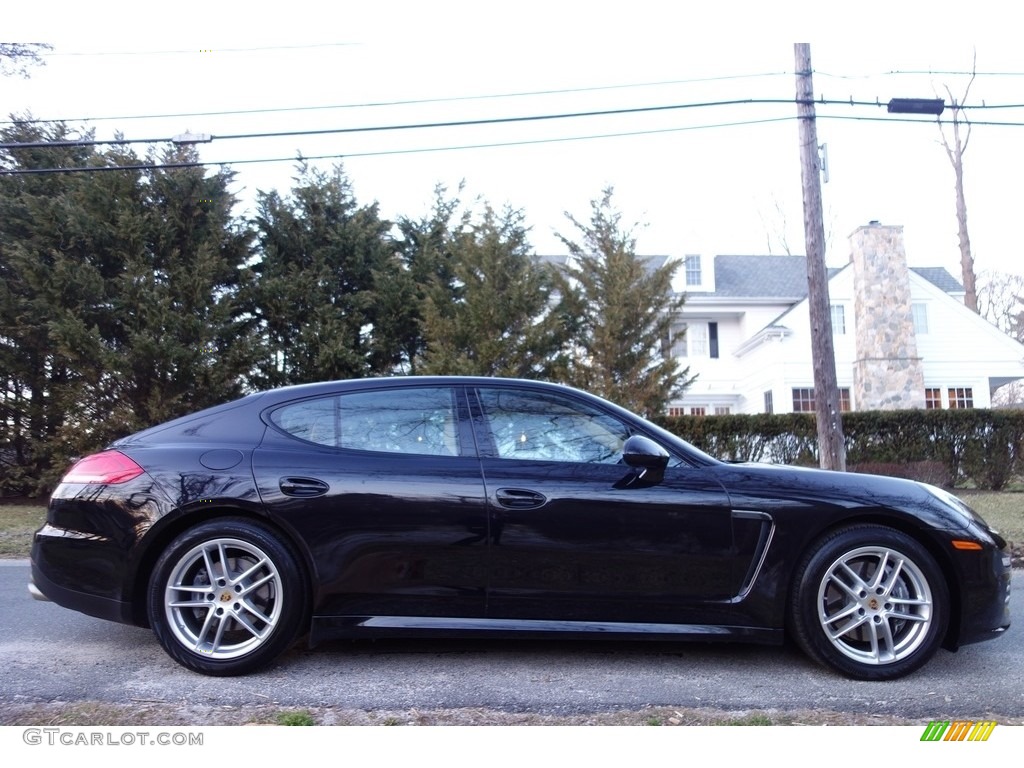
x=996, y=123
x=190, y=164
x=508, y=120
x=484, y=121
x=379, y=153
x=204, y=50
x=404, y=126
x=79, y=143
x=866, y=75
x=952, y=72
x=482, y=97
x=403, y=102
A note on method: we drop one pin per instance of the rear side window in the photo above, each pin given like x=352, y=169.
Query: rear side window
x=407, y=421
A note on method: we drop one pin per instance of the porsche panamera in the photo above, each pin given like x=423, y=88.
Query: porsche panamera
x=441, y=506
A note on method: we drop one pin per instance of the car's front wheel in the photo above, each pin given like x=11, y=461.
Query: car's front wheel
x=226, y=597
x=870, y=602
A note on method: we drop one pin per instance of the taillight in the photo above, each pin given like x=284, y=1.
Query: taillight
x=108, y=468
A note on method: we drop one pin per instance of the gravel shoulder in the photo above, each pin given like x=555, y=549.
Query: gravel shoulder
x=85, y=713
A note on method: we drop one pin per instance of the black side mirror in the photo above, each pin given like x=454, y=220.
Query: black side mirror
x=648, y=459
x=642, y=452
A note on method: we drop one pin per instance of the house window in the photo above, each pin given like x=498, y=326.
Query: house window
x=803, y=400
x=844, y=399
x=961, y=397
x=932, y=398
x=713, y=339
x=678, y=340
x=769, y=405
x=698, y=410
x=838, y=320
x=676, y=410
x=697, y=336
x=722, y=410
x=692, y=268
x=919, y=314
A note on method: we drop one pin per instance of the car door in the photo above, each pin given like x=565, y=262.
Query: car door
x=574, y=536
x=384, y=486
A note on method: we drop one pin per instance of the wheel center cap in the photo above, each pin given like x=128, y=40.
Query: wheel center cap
x=873, y=604
x=225, y=597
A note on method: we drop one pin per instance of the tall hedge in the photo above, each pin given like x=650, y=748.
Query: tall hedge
x=946, y=447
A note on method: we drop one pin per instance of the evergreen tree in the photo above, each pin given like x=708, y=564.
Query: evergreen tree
x=624, y=308
x=502, y=322
x=189, y=341
x=39, y=272
x=428, y=270
x=161, y=331
x=321, y=255
x=119, y=301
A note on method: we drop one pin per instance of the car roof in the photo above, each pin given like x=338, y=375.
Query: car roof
x=229, y=422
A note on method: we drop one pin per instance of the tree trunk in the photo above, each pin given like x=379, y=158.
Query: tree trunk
x=966, y=256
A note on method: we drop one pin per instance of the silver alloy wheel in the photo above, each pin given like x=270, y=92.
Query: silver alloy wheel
x=875, y=605
x=223, y=598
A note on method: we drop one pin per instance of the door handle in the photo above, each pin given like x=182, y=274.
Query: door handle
x=518, y=498
x=303, y=487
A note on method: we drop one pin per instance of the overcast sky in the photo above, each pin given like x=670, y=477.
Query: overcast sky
x=700, y=179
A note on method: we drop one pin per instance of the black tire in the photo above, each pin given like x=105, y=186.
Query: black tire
x=869, y=602
x=249, y=593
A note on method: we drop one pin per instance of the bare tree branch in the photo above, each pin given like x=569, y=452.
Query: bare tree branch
x=1001, y=300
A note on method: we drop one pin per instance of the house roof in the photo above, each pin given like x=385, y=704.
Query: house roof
x=767, y=277
x=559, y=261
x=785, y=277
x=940, y=278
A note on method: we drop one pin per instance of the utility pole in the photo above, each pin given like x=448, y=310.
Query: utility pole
x=831, y=447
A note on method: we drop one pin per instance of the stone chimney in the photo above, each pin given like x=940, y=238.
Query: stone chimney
x=887, y=372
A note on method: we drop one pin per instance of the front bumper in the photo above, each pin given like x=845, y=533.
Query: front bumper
x=985, y=601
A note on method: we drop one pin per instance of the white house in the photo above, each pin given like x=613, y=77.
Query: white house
x=903, y=337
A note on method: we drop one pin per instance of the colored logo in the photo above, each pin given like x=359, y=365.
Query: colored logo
x=958, y=730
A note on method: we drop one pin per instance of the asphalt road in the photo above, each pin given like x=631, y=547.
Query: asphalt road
x=48, y=653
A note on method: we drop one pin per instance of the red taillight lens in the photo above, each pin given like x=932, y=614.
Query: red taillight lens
x=108, y=468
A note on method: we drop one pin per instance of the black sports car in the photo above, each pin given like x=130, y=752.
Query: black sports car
x=436, y=506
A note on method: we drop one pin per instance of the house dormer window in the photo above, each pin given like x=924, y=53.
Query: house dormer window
x=691, y=265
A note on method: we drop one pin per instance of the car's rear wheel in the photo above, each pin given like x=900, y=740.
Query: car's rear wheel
x=870, y=602
x=226, y=597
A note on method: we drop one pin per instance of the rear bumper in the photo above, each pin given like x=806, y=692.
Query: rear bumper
x=33, y=590
x=83, y=602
